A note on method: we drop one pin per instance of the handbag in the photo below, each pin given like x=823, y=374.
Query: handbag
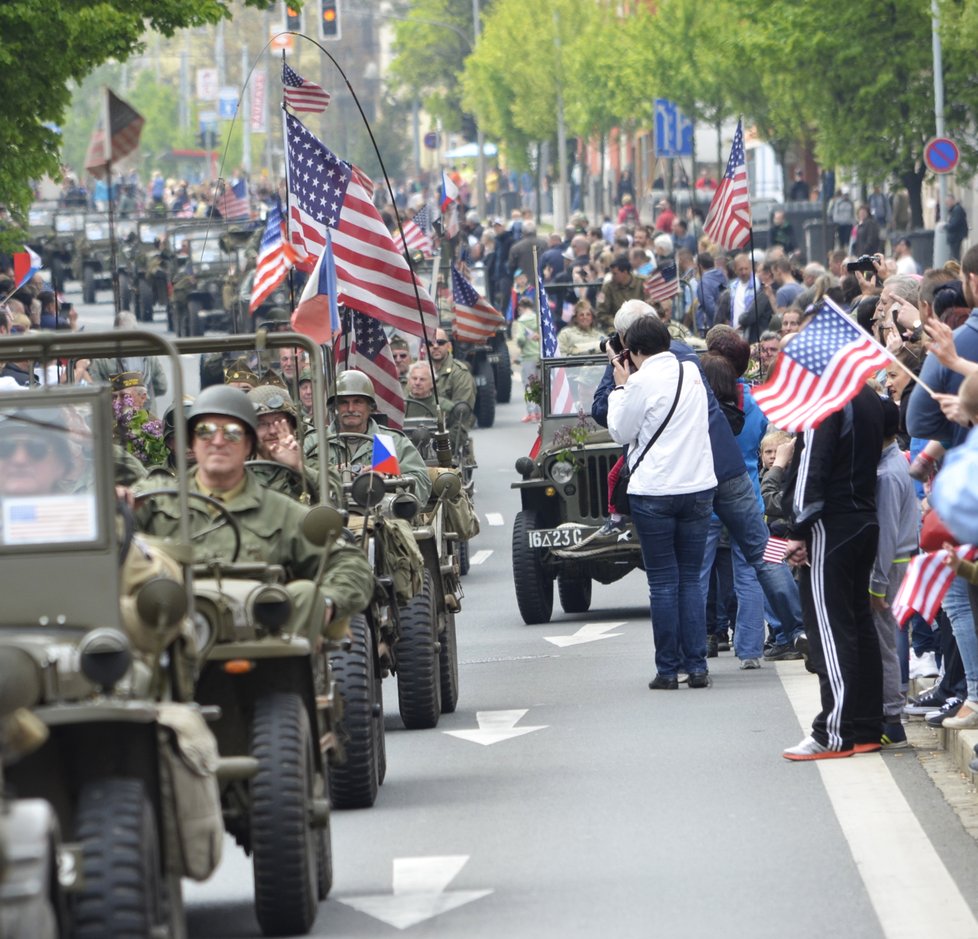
x=619, y=495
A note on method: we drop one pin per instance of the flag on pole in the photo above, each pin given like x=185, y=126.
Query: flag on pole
x=417, y=232
x=384, y=456
x=302, y=95
x=124, y=124
x=924, y=585
x=728, y=220
x=317, y=314
x=819, y=371
x=475, y=317
x=561, y=399
x=273, y=261
x=362, y=345
x=233, y=201
x=26, y=265
x=662, y=283
x=372, y=275
x=449, y=205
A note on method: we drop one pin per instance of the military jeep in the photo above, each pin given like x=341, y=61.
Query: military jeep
x=92, y=258
x=564, y=496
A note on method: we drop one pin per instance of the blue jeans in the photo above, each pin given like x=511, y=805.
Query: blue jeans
x=958, y=609
x=736, y=506
x=672, y=531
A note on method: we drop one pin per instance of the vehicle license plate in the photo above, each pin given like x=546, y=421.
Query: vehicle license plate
x=555, y=537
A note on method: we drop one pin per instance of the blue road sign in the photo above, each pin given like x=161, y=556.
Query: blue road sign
x=941, y=155
x=673, y=130
x=227, y=103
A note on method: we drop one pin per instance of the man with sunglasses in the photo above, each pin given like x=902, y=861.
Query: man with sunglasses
x=34, y=454
x=453, y=379
x=223, y=428
x=401, y=353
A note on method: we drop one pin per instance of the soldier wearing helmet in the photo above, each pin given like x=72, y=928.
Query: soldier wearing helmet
x=354, y=404
x=223, y=428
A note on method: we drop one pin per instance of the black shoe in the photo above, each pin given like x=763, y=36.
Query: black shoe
x=801, y=645
x=723, y=642
x=950, y=708
x=712, y=647
x=930, y=700
x=782, y=652
x=661, y=683
x=699, y=680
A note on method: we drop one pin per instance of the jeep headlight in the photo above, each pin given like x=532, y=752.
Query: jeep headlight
x=562, y=472
x=104, y=657
x=271, y=607
x=203, y=632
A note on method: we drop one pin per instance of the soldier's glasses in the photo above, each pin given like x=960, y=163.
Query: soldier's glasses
x=207, y=430
x=35, y=449
x=440, y=342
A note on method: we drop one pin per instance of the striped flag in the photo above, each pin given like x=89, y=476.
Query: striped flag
x=819, y=371
x=363, y=345
x=728, y=220
x=317, y=315
x=775, y=549
x=926, y=582
x=561, y=399
x=417, y=233
x=125, y=125
x=273, y=261
x=449, y=205
x=233, y=201
x=372, y=275
x=662, y=283
x=302, y=95
x=26, y=264
x=475, y=317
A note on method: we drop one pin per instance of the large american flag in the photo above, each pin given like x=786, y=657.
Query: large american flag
x=819, y=371
x=302, y=95
x=372, y=275
x=125, y=125
x=273, y=261
x=662, y=283
x=728, y=220
x=561, y=399
x=233, y=200
x=926, y=582
x=475, y=317
x=417, y=232
x=363, y=345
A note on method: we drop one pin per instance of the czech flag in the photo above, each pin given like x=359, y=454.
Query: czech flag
x=26, y=265
x=317, y=314
x=385, y=456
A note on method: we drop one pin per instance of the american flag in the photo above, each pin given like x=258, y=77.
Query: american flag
x=819, y=371
x=302, y=95
x=924, y=585
x=475, y=317
x=417, y=232
x=363, y=345
x=662, y=283
x=728, y=221
x=372, y=275
x=125, y=125
x=775, y=549
x=233, y=201
x=273, y=261
x=561, y=399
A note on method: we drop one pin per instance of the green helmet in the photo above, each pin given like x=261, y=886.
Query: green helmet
x=354, y=384
x=271, y=399
x=226, y=401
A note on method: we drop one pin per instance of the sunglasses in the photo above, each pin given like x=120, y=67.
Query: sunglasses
x=207, y=430
x=401, y=355
x=440, y=342
x=35, y=449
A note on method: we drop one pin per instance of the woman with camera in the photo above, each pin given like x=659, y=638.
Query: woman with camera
x=659, y=409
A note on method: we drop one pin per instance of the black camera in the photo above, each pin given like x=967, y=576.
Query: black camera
x=613, y=340
x=865, y=262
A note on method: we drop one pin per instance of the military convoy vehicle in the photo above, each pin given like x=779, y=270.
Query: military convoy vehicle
x=92, y=258
x=564, y=497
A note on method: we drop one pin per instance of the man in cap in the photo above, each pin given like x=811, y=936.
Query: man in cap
x=223, y=428
x=623, y=286
x=453, y=379
x=239, y=374
x=401, y=353
x=130, y=385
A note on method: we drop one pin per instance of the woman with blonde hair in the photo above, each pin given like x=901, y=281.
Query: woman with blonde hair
x=580, y=336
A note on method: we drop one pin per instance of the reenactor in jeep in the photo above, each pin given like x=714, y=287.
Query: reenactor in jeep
x=453, y=379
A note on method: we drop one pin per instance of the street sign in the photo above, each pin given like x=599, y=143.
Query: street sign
x=227, y=103
x=207, y=84
x=941, y=155
x=431, y=140
x=673, y=130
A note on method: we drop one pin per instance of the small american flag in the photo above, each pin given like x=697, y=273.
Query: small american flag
x=662, y=283
x=728, y=220
x=475, y=317
x=924, y=585
x=274, y=259
x=561, y=399
x=819, y=371
x=302, y=95
x=775, y=549
x=363, y=345
x=417, y=232
x=233, y=200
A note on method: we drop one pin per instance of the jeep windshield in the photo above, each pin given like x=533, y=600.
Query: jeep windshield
x=569, y=384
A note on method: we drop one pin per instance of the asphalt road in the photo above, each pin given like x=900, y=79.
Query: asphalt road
x=589, y=804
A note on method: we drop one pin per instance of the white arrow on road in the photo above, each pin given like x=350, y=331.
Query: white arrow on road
x=589, y=632
x=419, y=891
x=495, y=726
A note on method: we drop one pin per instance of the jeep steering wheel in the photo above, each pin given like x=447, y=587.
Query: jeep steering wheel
x=224, y=516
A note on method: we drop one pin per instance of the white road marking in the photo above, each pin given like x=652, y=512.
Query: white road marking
x=905, y=878
x=495, y=518
x=480, y=557
x=419, y=891
x=589, y=632
x=494, y=727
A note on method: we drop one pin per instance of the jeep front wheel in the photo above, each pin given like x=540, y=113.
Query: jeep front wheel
x=418, y=666
x=534, y=586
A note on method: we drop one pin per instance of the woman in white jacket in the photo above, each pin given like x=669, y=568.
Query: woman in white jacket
x=670, y=492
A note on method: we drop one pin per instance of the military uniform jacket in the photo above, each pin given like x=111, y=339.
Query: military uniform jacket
x=455, y=383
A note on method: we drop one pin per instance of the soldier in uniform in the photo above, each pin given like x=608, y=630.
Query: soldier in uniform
x=454, y=379
x=223, y=427
x=239, y=374
x=420, y=400
x=401, y=353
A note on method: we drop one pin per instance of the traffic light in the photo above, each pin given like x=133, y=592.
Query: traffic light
x=293, y=19
x=329, y=19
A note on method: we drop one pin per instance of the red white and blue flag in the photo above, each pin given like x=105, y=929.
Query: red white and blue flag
x=302, y=95
x=561, y=399
x=372, y=275
x=926, y=582
x=449, y=205
x=273, y=261
x=819, y=371
x=363, y=345
x=233, y=201
x=317, y=315
x=662, y=283
x=728, y=220
x=26, y=265
x=475, y=317
x=385, y=456
x=417, y=232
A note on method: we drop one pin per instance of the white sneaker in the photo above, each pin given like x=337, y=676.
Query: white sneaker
x=923, y=666
x=811, y=749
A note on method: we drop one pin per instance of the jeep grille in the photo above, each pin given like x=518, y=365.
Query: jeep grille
x=592, y=486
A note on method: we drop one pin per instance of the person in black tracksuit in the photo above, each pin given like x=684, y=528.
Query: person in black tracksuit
x=832, y=530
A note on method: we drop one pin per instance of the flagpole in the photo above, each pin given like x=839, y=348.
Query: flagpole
x=107, y=153
x=285, y=140
x=754, y=283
